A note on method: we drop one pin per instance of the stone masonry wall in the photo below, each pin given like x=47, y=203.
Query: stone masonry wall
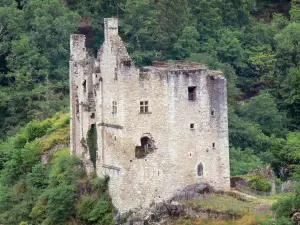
x=184, y=133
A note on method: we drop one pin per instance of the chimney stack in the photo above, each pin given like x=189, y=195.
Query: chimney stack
x=110, y=28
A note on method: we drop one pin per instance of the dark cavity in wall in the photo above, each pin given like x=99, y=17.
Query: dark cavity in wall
x=92, y=144
x=147, y=147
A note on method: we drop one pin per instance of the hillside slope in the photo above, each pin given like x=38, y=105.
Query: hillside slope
x=56, y=191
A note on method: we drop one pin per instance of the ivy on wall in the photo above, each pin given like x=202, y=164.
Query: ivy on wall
x=92, y=144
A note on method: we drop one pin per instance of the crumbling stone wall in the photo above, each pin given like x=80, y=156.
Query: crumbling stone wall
x=182, y=108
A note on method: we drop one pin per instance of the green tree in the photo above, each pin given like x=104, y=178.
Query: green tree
x=290, y=92
x=209, y=18
x=295, y=11
x=291, y=153
x=263, y=64
x=60, y=204
x=242, y=161
x=188, y=43
x=141, y=29
x=213, y=15
x=34, y=52
x=173, y=17
x=262, y=109
x=38, y=177
x=288, y=46
x=227, y=47
x=247, y=134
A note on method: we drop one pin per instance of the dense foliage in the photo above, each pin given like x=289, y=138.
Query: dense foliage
x=260, y=184
x=256, y=44
x=51, y=193
x=34, y=50
x=284, y=210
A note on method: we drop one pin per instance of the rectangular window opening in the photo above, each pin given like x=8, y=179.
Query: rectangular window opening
x=114, y=109
x=192, y=93
x=213, y=145
x=144, y=107
x=116, y=74
x=192, y=126
x=212, y=112
x=84, y=85
x=127, y=63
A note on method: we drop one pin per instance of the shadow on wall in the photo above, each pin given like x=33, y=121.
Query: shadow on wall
x=92, y=144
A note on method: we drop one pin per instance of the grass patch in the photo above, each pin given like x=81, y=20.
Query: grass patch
x=230, y=204
x=245, y=220
x=61, y=136
x=274, y=198
x=60, y=153
x=59, y=120
x=252, y=212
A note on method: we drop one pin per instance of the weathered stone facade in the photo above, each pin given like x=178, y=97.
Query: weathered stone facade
x=159, y=128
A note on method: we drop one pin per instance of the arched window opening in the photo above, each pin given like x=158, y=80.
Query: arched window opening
x=200, y=170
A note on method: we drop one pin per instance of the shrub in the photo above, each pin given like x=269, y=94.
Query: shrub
x=60, y=136
x=96, y=210
x=19, y=141
x=38, y=212
x=31, y=154
x=60, y=203
x=242, y=161
x=66, y=169
x=284, y=208
x=60, y=120
x=260, y=184
x=38, y=177
x=24, y=223
x=100, y=184
x=109, y=218
x=101, y=208
x=278, y=221
x=85, y=207
x=36, y=129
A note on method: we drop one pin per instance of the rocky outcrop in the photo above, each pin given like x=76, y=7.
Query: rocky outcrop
x=289, y=186
x=267, y=173
x=166, y=211
x=235, y=181
x=191, y=192
x=296, y=218
x=242, y=183
x=46, y=157
x=163, y=213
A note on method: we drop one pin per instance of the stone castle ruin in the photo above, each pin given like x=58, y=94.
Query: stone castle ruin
x=152, y=130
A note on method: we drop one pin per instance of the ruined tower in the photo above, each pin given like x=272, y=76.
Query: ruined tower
x=156, y=129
